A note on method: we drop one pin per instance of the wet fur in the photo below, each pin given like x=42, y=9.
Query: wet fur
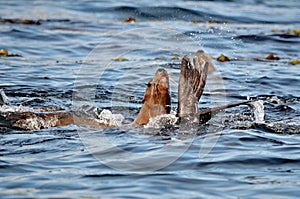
x=157, y=100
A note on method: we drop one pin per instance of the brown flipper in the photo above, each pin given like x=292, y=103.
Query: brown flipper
x=191, y=83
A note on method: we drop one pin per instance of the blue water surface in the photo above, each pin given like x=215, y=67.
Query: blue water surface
x=76, y=49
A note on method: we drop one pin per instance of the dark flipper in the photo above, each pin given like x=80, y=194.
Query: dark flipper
x=191, y=83
x=206, y=114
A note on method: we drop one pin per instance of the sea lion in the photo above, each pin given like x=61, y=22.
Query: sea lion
x=156, y=101
x=191, y=85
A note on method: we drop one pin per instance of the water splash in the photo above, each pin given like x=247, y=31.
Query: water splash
x=3, y=98
x=107, y=117
x=259, y=112
x=162, y=120
x=275, y=99
x=20, y=108
x=36, y=123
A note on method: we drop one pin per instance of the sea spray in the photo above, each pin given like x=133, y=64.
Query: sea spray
x=259, y=112
x=107, y=117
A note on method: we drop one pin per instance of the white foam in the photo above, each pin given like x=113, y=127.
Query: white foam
x=276, y=100
x=107, y=117
x=6, y=108
x=37, y=123
x=259, y=112
x=3, y=97
x=162, y=120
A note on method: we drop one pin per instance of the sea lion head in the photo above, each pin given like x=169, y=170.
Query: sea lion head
x=157, y=99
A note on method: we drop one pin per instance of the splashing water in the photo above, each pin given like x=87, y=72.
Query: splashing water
x=36, y=123
x=259, y=112
x=20, y=108
x=3, y=98
x=162, y=120
x=107, y=117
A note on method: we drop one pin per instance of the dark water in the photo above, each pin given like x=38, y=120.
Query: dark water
x=71, y=53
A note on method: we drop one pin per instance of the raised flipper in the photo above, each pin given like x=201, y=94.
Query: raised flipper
x=191, y=83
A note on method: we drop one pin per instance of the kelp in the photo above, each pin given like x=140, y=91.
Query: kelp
x=272, y=57
x=196, y=21
x=173, y=58
x=223, y=58
x=130, y=20
x=21, y=21
x=290, y=31
x=4, y=52
x=120, y=59
x=294, y=62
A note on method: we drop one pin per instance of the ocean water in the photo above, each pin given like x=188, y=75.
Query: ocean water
x=84, y=54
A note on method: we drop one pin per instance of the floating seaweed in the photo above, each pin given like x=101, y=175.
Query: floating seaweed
x=291, y=31
x=130, y=20
x=294, y=62
x=295, y=31
x=175, y=58
x=120, y=59
x=196, y=21
x=161, y=58
x=214, y=22
x=278, y=31
x=272, y=57
x=222, y=58
x=4, y=52
x=21, y=21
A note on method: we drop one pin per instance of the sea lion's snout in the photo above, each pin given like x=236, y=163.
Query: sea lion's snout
x=161, y=77
x=157, y=99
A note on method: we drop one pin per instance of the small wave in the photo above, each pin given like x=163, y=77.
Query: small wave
x=282, y=38
x=280, y=127
x=166, y=13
